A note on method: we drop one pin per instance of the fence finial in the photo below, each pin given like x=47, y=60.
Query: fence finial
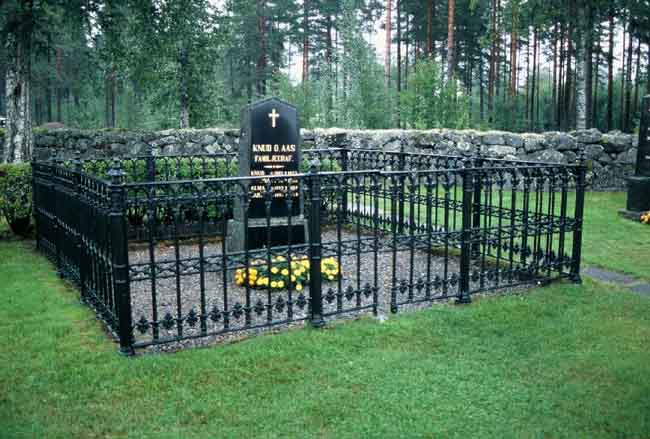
x=115, y=173
x=76, y=161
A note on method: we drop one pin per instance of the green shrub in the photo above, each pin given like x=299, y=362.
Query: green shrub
x=16, y=196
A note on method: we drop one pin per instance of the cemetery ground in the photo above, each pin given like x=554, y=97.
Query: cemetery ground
x=560, y=361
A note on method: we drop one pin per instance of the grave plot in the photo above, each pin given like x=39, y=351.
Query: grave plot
x=180, y=248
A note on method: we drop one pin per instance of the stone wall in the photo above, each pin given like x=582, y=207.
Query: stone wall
x=610, y=156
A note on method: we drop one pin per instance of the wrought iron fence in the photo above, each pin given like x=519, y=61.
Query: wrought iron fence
x=148, y=240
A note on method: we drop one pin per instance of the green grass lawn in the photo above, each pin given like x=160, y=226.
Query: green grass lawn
x=561, y=361
x=613, y=242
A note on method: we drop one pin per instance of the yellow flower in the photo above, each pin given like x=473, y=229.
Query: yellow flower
x=274, y=284
x=293, y=278
x=274, y=270
x=280, y=284
x=252, y=272
x=330, y=277
x=298, y=287
x=260, y=282
x=285, y=272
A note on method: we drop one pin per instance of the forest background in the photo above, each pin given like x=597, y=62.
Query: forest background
x=512, y=65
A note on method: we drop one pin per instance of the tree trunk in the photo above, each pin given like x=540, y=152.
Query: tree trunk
x=451, y=44
x=628, y=82
x=497, y=61
x=389, y=37
x=637, y=78
x=184, y=88
x=539, y=81
x=554, y=85
x=406, y=54
x=528, y=110
x=398, y=6
x=481, y=89
x=59, y=83
x=513, y=51
x=492, y=67
x=647, y=73
x=622, y=95
x=581, y=69
x=610, y=73
x=305, y=42
x=594, y=110
x=430, y=10
x=560, y=85
x=587, y=30
x=48, y=85
x=331, y=78
x=262, y=55
x=534, y=80
x=19, y=138
x=570, y=81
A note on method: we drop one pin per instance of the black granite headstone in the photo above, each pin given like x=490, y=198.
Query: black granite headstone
x=638, y=194
x=269, y=145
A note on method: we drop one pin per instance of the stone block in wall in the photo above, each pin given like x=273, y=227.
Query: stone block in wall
x=498, y=150
x=514, y=140
x=207, y=139
x=533, y=142
x=465, y=147
x=592, y=152
x=560, y=141
x=589, y=136
x=164, y=141
x=493, y=138
x=605, y=158
x=117, y=148
x=547, y=156
x=628, y=157
x=616, y=141
x=136, y=148
x=569, y=156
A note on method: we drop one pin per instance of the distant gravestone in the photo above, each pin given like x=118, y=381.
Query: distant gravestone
x=269, y=145
x=638, y=194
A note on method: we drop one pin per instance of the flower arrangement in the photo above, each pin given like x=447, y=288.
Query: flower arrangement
x=280, y=275
x=645, y=217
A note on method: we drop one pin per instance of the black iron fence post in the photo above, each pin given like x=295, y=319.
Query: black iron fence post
x=581, y=171
x=466, y=236
x=119, y=251
x=401, y=164
x=315, y=250
x=81, y=257
x=478, y=190
x=345, y=165
x=56, y=192
x=36, y=204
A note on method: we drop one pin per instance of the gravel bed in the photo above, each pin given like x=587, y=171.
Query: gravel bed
x=408, y=265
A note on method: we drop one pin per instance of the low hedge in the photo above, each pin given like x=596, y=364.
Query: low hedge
x=16, y=196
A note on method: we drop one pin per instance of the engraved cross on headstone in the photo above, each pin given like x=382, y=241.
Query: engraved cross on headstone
x=273, y=115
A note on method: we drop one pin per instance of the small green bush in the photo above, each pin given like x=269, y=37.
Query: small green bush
x=16, y=196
